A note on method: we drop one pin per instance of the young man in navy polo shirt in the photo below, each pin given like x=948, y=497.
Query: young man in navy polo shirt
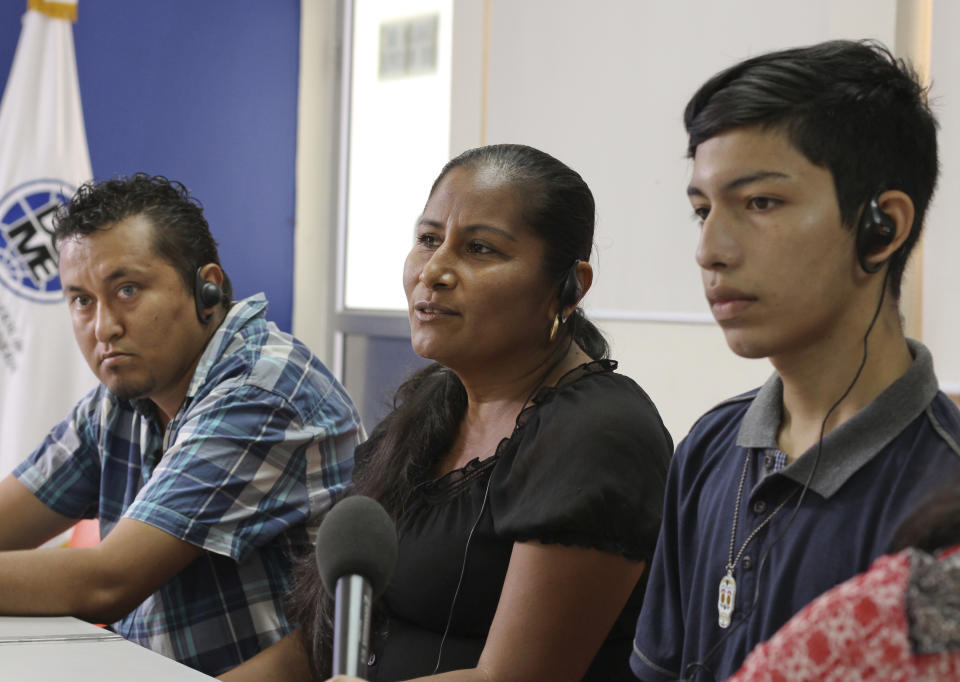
x=812, y=171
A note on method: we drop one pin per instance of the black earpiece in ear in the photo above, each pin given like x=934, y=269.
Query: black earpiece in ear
x=876, y=230
x=205, y=295
x=570, y=290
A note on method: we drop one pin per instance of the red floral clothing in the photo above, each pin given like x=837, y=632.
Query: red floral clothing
x=859, y=630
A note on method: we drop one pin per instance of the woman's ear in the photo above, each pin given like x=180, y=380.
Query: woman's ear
x=584, y=275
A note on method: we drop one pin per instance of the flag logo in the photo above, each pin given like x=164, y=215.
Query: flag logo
x=28, y=256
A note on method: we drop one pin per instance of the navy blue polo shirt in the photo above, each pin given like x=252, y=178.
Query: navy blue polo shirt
x=873, y=470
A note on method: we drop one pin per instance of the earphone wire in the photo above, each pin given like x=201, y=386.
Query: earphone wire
x=483, y=505
x=702, y=663
x=463, y=570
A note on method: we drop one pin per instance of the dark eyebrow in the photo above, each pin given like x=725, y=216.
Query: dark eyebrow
x=736, y=183
x=470, y=228
x=119, y=273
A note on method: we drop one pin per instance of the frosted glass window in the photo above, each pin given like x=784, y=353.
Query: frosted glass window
x=399, y=139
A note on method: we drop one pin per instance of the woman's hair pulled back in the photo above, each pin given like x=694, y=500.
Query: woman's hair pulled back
x=404, y=448
x=557, y=205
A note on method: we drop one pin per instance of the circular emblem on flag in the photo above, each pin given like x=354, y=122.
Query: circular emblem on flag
x=28, y=257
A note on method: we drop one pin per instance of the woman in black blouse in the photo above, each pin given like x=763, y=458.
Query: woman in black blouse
x=520, y=466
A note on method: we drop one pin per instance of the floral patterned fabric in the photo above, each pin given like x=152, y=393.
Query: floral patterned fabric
x=859, y=630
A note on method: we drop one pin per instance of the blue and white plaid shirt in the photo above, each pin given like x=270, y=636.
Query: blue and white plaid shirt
x=261, y=447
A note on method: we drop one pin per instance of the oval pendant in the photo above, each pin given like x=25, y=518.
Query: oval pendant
x=728, y=590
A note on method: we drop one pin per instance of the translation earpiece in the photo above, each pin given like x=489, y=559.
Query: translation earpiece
x=876, y=230
x=205, y=295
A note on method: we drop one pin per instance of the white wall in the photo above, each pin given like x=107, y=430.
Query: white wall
x=941, y=245
x=601, y=84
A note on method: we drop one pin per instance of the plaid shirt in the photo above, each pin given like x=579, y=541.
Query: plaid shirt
x=261, y=447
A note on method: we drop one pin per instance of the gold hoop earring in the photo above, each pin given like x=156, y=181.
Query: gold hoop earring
x=555, y=328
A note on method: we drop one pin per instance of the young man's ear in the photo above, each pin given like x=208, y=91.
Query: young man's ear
x=898, y=207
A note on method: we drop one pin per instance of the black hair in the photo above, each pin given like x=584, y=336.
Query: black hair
x=847, y=106
x=181, y=235
x=404, y=449
x=934, y=524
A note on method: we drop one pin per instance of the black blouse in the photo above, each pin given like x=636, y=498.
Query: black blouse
x=585, y=466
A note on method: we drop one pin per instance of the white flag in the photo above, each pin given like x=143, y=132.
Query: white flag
x=43, y=159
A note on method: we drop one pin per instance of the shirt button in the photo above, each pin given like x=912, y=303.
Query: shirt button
x=372, y=660
x=759, y=507
x=747, y=563
x=768, y=462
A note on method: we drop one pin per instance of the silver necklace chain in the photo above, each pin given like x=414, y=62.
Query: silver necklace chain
x=728, y=584
x=731, y=561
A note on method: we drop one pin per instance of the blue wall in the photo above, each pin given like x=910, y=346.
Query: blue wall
x=205, y=92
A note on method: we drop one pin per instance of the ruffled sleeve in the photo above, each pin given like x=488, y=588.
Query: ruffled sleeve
x=585, y=467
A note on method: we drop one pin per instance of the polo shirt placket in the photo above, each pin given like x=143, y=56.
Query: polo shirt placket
x=764, y=492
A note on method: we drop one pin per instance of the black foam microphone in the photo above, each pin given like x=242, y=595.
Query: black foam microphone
x=356, y=554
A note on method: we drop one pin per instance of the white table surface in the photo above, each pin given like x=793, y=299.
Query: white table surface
x=60, y=649
x=16, y=629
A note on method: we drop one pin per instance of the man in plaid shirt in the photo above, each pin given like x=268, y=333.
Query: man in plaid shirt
x=209, y=452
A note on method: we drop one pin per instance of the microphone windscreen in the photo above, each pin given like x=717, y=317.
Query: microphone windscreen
x=357, y=537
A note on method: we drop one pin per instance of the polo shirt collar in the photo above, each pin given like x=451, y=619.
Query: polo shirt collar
x=239, y=314
x=855, y=442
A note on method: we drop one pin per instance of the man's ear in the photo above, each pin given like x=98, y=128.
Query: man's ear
x=898, y=207
x=208, y=291
x=211, y=272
